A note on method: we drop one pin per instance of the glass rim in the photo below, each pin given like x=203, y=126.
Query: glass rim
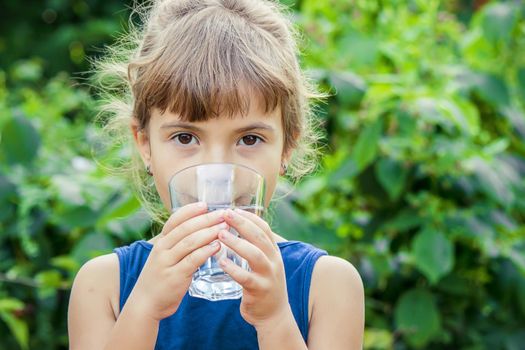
x=216, y=163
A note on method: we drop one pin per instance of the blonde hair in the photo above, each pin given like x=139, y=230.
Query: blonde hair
x=197, y=58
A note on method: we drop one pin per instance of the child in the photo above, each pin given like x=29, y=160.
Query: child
x=214, y=81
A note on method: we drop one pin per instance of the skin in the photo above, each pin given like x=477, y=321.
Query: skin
x=336, y=293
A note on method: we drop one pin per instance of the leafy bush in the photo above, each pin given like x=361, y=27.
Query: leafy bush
x=60, y=32
x=425, y=184
x=58, y=207
x=422, y=186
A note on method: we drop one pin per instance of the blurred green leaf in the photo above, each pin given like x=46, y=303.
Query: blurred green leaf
x=520, y=75
x=490, y=88
x=490, y=181
x=433, y=253
x=49, y=278
x=17, y=326
x=65, y=262
x=520, y=292
x=68, y=189
x=392, y=176
x=462, y=114
x=417, y=317
x=27, y=70
x=378, y=339
x=405, y=220
x=350, y=88
x=360, y=48
x=19, y=141
x=287, y=221
x=345, y=171
x=77, y=217
x=499, y=19
x=516, y=119
x=123, y=208
x=517, y=256
x=367, y=145
x=8, y=193
x=91, y=245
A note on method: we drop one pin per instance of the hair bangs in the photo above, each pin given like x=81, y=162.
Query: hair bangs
x=195, y=100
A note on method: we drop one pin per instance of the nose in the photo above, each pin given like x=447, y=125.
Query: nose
x=217, y=154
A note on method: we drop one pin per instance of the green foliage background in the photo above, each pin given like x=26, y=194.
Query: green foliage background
x=422, y=186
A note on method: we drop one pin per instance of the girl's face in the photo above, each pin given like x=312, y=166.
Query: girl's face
x=255, y=140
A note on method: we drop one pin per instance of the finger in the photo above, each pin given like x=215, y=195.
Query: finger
x=263, y=225
x=248, y=280
x=190, y=226
x=191, y=262
x=184, y=213
x=194, y=241
x=251, y=232
x=256, y=258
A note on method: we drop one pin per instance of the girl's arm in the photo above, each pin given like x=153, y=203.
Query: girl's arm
x=336, y=292
x=91, y=315
x=337, y=320
x=181, y=247
x=338, y=313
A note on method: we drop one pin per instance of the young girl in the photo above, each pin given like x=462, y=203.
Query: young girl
x=214, y=81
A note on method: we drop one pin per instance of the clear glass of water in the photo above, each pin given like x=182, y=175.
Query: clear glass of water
x=221, y=186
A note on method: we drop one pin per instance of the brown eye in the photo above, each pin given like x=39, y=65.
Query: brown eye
x=184, y=139
x=250, y=140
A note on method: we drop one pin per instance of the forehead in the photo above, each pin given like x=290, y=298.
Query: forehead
x=255, y=111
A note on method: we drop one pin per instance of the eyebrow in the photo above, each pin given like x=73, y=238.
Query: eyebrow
x=180, y=125
x=254, y=126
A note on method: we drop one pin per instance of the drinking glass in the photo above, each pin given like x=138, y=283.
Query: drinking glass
x=221, y=186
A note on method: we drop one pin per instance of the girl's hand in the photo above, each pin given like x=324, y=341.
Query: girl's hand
x=182, y=246
x=265, y=298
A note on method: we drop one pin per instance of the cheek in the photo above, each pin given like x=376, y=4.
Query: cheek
x=164, y=166
x=161, y=184
x=271, y=182
x=269, y=167
x=268, y=195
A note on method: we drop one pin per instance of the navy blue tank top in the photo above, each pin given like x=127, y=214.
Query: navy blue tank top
x=202, y=324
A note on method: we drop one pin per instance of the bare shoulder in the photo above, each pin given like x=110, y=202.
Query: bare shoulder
x=337, y=296
x=99, y=275
x=332, y=269
x=334, y=276
x=107, y=261
x=94, y=301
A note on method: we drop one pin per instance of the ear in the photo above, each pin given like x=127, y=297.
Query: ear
x=285, y=157
x=141, y=139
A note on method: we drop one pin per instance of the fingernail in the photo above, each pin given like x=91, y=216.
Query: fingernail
x=214, y=244
x=224, y=226
x=224, y=262
x=225, y=235
x=230, y=214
